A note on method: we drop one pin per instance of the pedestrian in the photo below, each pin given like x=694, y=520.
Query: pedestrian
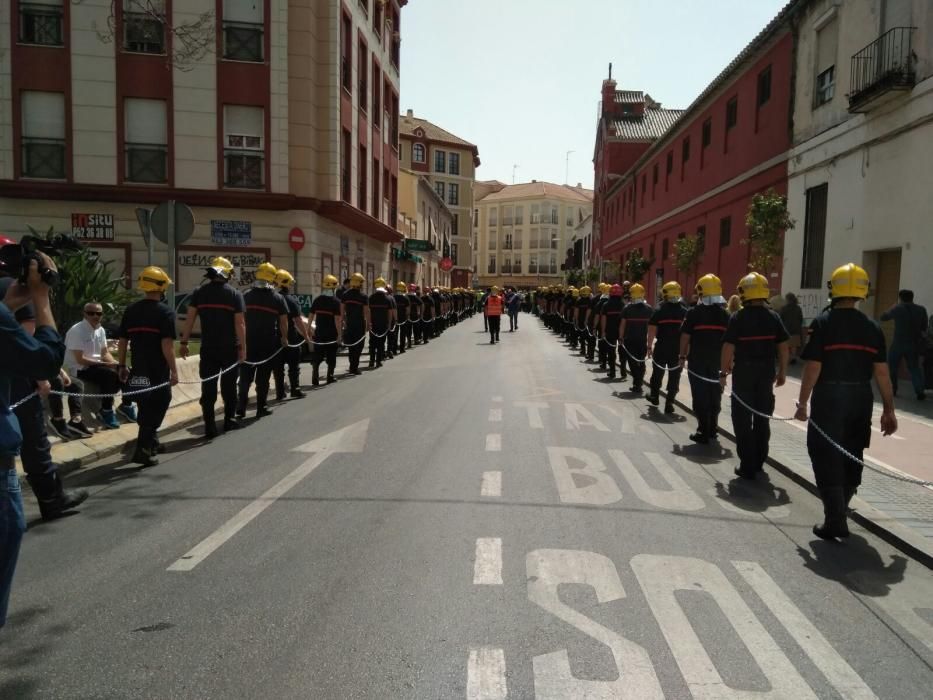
x=493, y=314
x=64, y=386
x=755, y=340
x=599, y=309
x=664, y=326
x=633, y=332
x=735, y=303
x=147, y=329
x=909, y=342
x=266, y=337
x=845, y=350
x=297, y=334
x=38, y=355
x=88, y=357
x=610, y=323
x=792, y=317
x=326, y=319
x=413, y=330
x=355, y=314
x=581, y=317
x=701, y=347
x=381, y=318
x=513, y=305
x=402, y=324
x=223, y=342
x=428, y=313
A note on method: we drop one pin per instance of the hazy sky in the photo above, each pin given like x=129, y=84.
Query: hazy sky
x=521, y=78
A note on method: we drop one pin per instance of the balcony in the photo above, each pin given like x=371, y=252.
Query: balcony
x=882, y=69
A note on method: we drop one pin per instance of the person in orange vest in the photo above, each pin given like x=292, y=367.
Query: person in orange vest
x=493, y=306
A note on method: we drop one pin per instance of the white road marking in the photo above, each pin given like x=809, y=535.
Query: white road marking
x=487, y=567
x=349, y=439
x=495, y=415
x=534, y=412
x=576, y=415
x=839, y=673
x=497, y=399
x=492, y=485
x=627, y=416
x=493, y=442
x=679, y=497
x=584, y=482
x=486, y=674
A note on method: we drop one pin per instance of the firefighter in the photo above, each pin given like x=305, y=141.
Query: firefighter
x=603, y=347
x=582, y=312
x=755, y=338
x=593, y=324
x=414, y=316
x=701, y=337
x=297, y=332
x=609, y=325
x=223, y=341
x=266, y=334
x=428, y=312
x=355, y=313
x=381, y=318
x=633, y=334
x=846, y=349
x=664, y=326
x=325, y=314
x=402, y=326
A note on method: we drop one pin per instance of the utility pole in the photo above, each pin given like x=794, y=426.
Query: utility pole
x=514, y=168
x=567, y=168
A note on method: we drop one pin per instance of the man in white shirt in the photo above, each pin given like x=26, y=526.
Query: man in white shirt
x=88, y=357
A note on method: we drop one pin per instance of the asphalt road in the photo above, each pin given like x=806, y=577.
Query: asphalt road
x=469, y=521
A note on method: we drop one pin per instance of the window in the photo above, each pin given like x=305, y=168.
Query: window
x=454, y=163
x=732, y=113
x=533, y=238
x=475, y=218
x=654, y=180
x=764, y=86
x=491, y=267
x=517, y=265
x=517, y=238
x=644, y=186
x=825, y=86
x=145, y=141
x=684, y=154
x=533, y=264
x=665, y=249
x=554, y=239
x=377, y=102
x=365, y=5
x=345, y=166
x=142, y=32
x=669, y=168
x=243, y=147
x=440, y=161
x=536, y=214
x=377, y=19
x=701, y=237
x=453, y=194
x=441, y=189
x=507, y=215
x=506, y=267
x=243, y=30
x=346, y=53
x=41, y=23
x=493, y=217
x=825, y=70
x=361, y=176
x=569, y=217
x=43, y=135
x=553, y=265
x=725, y=232
x=519, y=215
x=362, y=71
x=377, y=208
x=491, y=243
x=814, y=238
x=555, y=214
x=454, y=252
x=507, y=241
x=707, y=133
x=417, y=153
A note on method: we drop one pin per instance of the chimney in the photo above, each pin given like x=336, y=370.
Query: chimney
x=580, y=185
x=533, y=182
x=410, y=113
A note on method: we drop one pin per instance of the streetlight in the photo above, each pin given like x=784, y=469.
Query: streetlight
x=567, y=168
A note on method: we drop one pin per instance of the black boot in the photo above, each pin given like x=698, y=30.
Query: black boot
x=54, y=499
x=654, y=398
x=669, y=406
x=850, y=491
x=330, y=376
x=230, y=423
x=297, y=393
x=144, y=457
x=210, y=424
x=834, y=510
x=315, y=376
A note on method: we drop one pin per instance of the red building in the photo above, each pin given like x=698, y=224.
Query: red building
x=664, y=174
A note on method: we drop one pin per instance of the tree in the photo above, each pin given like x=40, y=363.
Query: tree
x=687, y=253
x=636, y=266
x=767, y=219
x=191, y=41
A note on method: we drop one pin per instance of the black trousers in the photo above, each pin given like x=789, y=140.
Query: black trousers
x=408, y=332
x=324, y=353
x=707, y=395
x=57, y=403
x=290, y=357
x=513, y=321
x=393, y=339
x=753, y=383
x=353, y=339
x=212, y=361
x=36, y=451
x=844, y=412
x=262, y=374
x=611, y=351
x=108, y=381
x=638, y=348
x=494, y=323
x=591, y=343
x=377, y=344
x=673, y=376
x=153, y=406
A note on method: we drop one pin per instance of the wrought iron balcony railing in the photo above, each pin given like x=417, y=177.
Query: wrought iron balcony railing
x=885, y=64
x=146, y=163
x=243, y=41
x=43, y=158
x=244, y=169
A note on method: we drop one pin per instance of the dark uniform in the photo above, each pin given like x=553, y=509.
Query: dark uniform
x=391, y=337
x=755, y=331
x=402, y=326
x=325, y=310
x=412, y=330
x=612, y=313
x=603, y=347
x=145, y=324
x=667, y=319
x=438, y=326
x=217, y=304
x=593, y=325
x=636, y=315
x=264, y=307
x=379, y=308
x=706, y=326
x=426, y=327
x=582, y=321
x=354, y=323
x=290, y=356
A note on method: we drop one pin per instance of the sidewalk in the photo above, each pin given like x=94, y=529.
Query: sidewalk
x=899, y=512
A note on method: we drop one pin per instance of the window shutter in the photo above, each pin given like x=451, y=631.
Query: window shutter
x=243, y=121
x=827, y=40
x=44, y=115
x=250, y=11
x=145, y=121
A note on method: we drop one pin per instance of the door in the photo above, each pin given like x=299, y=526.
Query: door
x=886, y=288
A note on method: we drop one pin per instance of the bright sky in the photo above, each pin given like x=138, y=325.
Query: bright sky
x=521, y=78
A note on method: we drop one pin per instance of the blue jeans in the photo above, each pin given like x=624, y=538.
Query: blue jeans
x=12, y=527
x=911, y=357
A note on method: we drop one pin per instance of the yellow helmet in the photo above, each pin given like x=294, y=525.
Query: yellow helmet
x=330, y=282
x=709, y=286
x=222, y=267
x=585, y=290
x=671, y=291
x=604, y=287
x=401, y=287
x=267, y=272
x=380, y=282
x=283, y=278
x=495, y=289
x=849, y=282
x=153, y=279
x=637, y=292
x=574, y=292
x=356, y=280
x=753, y=286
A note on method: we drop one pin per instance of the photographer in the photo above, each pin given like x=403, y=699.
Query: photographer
x=39, y=355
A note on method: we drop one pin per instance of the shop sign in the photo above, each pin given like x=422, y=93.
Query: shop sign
x=232, y=233
x=92, y=227
x=418, y=244
x=304, y=301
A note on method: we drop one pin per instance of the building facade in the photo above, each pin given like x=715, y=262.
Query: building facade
x=428, y=237
x=449, y=163
x=665, y=174
x=525, y=233
x=862, y=158
x=289, y=122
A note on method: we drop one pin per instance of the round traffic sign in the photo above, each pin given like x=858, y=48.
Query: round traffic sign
x=184, y=222
x=296, y=239
x=447, y=264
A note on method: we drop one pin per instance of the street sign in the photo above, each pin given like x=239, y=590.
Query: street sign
x=296, y=239
x=447, y=264
x=418, y=244
x=183, y=219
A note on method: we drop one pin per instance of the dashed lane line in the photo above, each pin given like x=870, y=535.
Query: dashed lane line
x=487, y=566
x=493, y=442
x=486, y=674
x=492, y=485
x=495, y=415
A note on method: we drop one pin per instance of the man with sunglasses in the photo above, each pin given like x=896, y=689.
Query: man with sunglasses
x=89, y=358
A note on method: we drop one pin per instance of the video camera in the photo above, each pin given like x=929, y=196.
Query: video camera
x=15, y=257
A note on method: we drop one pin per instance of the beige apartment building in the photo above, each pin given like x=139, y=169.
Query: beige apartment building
x=428, y=234
x=288, y=129
x=449, y=163
x=525, y=232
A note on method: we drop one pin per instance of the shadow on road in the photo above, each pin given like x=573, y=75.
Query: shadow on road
x=713, y=453
x=754, y=497
x=855, y=564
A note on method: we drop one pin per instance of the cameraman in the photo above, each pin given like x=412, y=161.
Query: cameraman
x=39, y=355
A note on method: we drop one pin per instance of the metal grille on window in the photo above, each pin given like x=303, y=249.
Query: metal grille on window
x=43, y=138
x=243, y=30
x=41, y=23
x=243, y=149
x=146, y=141
x=143, y=27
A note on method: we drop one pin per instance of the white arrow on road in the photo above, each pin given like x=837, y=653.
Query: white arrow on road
x=350, y=439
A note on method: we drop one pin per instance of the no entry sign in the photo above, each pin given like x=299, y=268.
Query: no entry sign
x=447, y=264
x=296, y=239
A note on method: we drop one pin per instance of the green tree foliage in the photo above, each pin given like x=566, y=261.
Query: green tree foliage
x=687, y=253
x=767, y=219
x=637, y=266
